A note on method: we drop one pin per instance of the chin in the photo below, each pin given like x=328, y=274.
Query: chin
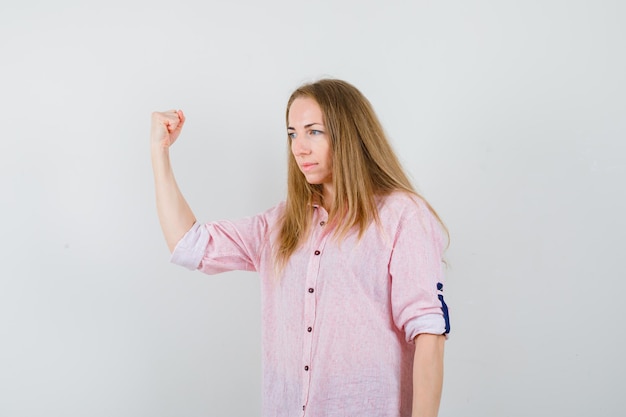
x=316, y=180
x=313, y=181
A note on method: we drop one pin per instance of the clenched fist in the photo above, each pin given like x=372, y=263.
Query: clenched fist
x=166, y=127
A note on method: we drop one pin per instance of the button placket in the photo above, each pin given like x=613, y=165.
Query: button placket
x=318, y=241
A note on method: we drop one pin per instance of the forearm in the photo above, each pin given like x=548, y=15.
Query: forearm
x=174, y=213
x=427, y=375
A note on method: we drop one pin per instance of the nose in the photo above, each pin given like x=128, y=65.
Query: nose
x=300, y=147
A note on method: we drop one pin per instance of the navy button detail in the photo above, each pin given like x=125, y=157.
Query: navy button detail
x=311, y=290
x=322, y=223
x=317, y=252
x=309, y=329
x=306, y=368
x=444, y=308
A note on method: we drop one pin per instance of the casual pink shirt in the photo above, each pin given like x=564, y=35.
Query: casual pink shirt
x=338, y=324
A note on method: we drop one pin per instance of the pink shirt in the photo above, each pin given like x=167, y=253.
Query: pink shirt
x=338, y=324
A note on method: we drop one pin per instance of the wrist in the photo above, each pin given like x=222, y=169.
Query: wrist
x=160, y=156
x=159, y=146
x=159, y=151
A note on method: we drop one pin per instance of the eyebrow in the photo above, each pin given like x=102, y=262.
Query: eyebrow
x=305, y=126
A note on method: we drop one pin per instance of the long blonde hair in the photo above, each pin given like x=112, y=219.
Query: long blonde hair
x=363, y=166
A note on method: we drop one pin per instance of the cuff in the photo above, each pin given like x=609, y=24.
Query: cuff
x=190, y=249
x=428, y=323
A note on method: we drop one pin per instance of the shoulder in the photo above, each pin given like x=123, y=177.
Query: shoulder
x=264, y=220
x=277, y=211
x=272, y=215
x=403, y=210
x=402, y=203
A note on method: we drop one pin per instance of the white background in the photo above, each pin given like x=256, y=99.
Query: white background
x=509, y=115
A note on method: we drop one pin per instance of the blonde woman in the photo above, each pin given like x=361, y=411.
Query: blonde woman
x=354, y=320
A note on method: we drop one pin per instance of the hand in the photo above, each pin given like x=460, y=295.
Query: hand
x=166, y=127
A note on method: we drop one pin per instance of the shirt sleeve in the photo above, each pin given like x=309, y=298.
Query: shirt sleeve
x=190, y=249
x=225, y=245
x=416, y=269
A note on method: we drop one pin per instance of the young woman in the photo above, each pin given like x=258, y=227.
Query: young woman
x=354, y=321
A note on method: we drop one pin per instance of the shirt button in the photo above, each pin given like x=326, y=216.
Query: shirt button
x=306, y=368
x=311, y=290
x=322, y=223
x=317, y=252
x=309, y=329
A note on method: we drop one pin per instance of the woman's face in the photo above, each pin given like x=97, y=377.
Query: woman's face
x=310, y=144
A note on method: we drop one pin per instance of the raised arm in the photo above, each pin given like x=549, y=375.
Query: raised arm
x=175, y=215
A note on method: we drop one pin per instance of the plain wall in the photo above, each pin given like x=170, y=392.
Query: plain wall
x=509, y=115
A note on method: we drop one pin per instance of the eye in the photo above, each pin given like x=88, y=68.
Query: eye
x=314, y=132
x=291, y=135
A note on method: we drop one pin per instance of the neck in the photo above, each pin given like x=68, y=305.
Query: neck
x=329, y=196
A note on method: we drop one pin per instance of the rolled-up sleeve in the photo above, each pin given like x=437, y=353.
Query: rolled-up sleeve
x=226, y=245
x=416, y=269
x=191, y=248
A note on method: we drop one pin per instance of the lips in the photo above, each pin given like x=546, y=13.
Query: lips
x=307, y=166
